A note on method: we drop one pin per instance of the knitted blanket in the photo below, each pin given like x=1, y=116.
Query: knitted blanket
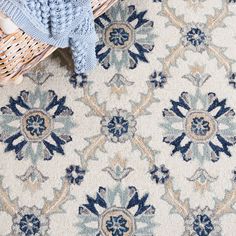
x=61, y=23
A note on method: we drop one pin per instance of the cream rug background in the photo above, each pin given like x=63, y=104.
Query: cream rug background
x=144, y=145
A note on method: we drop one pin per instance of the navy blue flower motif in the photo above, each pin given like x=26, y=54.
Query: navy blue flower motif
x=118, y=126
x=113, y=219
x=119, y=36
x=195, y=36
x=202, y=225
x=29, y=224
x=206, y=120
x=202, y=222
x=75, y=174
x=200, y=126
x=35, y=125
x=157, y=79
x=78, y=80
x=117, y=225
x=133, y=35
x=159, y=174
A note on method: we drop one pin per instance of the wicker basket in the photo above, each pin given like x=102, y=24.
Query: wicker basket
x=19, y=52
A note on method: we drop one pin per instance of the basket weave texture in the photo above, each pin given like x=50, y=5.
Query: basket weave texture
x=19, y=52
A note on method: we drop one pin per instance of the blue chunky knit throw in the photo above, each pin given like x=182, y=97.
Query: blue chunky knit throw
x=61, y=23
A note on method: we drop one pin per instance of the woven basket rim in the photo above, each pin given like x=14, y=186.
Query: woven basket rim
x=16, y=59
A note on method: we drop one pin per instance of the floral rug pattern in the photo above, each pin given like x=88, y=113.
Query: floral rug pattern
x=145, y=145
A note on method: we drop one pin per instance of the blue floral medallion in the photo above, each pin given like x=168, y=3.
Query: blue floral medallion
x=200, y=120
x=75, y=174
x=30, y=222
x=159, y=174
x=117, y=225
x=118, y=126
x=157, y=80
x=35, y=125
x=202, y=222
x=195, y=37
x=78, y=80
x=202, y=225
x=200, y=126
x=121, y=33
x=46, y=124
x=116, y=220
x=119, y=36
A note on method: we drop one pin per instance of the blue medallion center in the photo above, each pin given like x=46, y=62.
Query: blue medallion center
x=119, y=36
x=35, y=124
x=202, y=225
x=196, y=36
x=117, y=222
x=75, y=174
x=117, y=225
x=29, y=225
x=200, y=126
x=118, y=126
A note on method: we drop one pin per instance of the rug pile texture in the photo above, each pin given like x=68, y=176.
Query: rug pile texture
x=142, y=146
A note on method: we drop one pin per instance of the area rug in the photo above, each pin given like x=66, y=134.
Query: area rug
x=142, y=146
